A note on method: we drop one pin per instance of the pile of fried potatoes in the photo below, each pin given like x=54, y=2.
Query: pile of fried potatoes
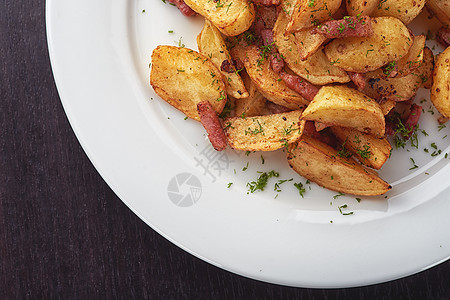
x=259, y=111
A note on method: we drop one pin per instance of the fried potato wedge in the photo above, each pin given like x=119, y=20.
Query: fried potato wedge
x=407, y=63
x=231, y=17
x=264, y=133
x=440, y=91
x=266, y=80
x=387, y=106
x=441, y=9
x=413, y=59
x=346, y=107
x=363, y=7
x=211, y=43
x=404, y=10
x=425, y=70
x=322, y=164
x=399, y=88
x=254, y=104
x=368, y=149
x=315, y=69
x=184, y=77
x=308, y=43
x=308, y=13
x=287, y=6
x=390, y=41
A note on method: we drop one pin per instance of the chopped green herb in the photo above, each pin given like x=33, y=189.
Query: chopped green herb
x=300, y=188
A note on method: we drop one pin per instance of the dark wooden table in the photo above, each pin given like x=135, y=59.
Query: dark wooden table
x=65, y=234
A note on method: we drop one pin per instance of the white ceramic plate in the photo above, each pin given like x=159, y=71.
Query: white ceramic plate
x=164, y=169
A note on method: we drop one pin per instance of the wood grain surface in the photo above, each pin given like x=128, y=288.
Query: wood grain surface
x=63, y=232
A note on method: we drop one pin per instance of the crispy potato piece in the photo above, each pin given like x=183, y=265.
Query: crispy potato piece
x=413, y=59
x=346, y=107
x=363, y=7
x=406, y=64
x=404, y=10
x=316, y=69
x=387, y=106
x=288, y=6
x=231, y=17
x=308, y=13
x=254, y=104
x=322, y=164
x=441, y=9
x=390, y=41
x=399, y=88
x=266, y=80
x=368, y=149
x=308, y=43
x=184, y=77
x=440, y=91
x=264, y=133
x=425, y=70
x=210, y=43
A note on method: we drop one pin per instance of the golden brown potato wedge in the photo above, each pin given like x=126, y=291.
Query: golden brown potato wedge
x=346, y=107
x=407, y=63
x=231, y=17
x=211, y=43
x=287, y=6
x=399, y=88
x=362, y=7
x=184, y=77
x=254, y=104
x=387, y=106
x=441, y=9
x=269, y=83
x=404, y=10
x=315, y=69
x=413, y=59
x=264, y=133
x=323, y=165
x=390, y=41
x=308, y=43
x=368, y=149
x=440, y=91
x=425, y=70
x=308, y=13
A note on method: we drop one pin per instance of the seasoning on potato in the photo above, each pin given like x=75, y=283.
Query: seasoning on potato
x=184, y=77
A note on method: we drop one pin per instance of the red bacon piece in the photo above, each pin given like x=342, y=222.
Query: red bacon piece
x=413, y=118
x=301, y=86
x=211, y=122
x=443, y=36
x=358, y=79
x=346, y=27
x=267, y=2
x=183, y=7
x=276, y=62
x=276, y=108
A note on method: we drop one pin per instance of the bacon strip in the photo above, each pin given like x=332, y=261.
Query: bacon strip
x=276, y=61
x=267, y=2
x=413, y=118
x=323, y=136
x=348, y=26
x=358, y=79
x=211, y=122
x=183, y=7
x=393, y=121
x=301, y=86
x=276, y=108
x=232, y=65
x=443, y=36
